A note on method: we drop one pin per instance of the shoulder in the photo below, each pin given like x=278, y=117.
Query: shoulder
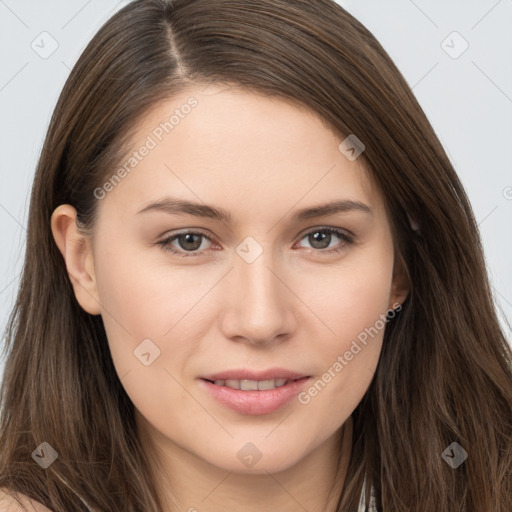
x=16, y=502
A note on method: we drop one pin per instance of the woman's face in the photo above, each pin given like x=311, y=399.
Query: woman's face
x=260, y=284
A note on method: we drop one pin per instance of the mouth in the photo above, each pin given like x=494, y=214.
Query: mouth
x=253, y=385
x=253, y=396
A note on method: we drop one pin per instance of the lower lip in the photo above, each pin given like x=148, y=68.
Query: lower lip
x=255, y=402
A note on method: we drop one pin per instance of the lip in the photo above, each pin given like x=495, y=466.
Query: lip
x=255, y=402
x=245, y=373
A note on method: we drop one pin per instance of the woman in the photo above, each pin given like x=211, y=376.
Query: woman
x=176, y=346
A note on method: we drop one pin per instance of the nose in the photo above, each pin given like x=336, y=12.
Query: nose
x=259, y=302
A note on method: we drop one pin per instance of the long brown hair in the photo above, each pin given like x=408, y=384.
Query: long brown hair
x=445, y=370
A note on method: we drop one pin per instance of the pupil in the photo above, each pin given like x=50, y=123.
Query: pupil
x=189, y=239
x=319, y=236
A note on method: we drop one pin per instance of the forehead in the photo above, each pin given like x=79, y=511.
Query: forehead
x=231, y=146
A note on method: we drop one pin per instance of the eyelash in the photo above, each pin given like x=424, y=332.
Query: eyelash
x=345, y=237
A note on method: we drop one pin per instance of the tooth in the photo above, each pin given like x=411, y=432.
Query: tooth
x=252, y=385
x=248, y=385
x=231, y=383
x=266, y=384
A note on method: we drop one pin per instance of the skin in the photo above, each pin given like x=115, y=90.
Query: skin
x=14, y=501
x=296, y=307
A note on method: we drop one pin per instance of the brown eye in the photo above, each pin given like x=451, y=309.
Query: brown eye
x=321, y=238
x=188, y=243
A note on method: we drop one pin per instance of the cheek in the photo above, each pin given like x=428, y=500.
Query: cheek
x=133, y=282
x=142, y=301
x=352, y=296
x=351, y=306
x=147, y=312
x=356, y=302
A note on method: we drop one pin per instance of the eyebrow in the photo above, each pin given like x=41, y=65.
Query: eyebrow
x=179, y=206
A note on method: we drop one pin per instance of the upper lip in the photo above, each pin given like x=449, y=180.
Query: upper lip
x=248, y=374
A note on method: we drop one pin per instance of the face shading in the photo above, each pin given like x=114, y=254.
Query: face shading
x=242, y=240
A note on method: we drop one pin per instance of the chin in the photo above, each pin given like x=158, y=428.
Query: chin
x=251, y=460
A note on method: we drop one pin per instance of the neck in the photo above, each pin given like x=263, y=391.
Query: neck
x=189, y=483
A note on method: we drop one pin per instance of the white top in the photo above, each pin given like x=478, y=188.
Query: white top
x=372, y=507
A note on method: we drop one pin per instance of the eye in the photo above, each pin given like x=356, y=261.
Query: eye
x=190, y=242
x=320, y=239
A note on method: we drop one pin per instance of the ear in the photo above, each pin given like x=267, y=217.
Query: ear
x=401, y=285
x=76, y=249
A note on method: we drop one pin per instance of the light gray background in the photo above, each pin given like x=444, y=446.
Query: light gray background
x=468, y=100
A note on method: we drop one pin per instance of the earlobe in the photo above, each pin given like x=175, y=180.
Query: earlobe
x=76, y=250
